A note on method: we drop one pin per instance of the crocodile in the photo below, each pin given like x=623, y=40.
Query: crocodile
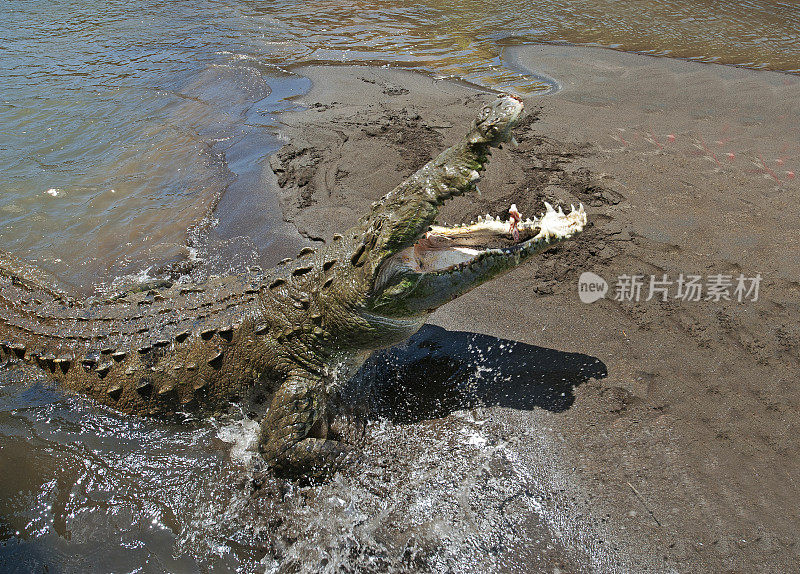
x=287, y=334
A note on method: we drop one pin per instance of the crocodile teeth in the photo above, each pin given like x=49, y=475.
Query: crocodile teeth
x=549, y=207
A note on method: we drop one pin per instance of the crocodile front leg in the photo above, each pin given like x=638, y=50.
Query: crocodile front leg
x=293, y=432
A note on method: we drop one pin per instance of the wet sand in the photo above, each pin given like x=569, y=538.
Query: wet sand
x=678, y=452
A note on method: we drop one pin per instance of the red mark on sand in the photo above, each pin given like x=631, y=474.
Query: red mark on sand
x=768, y=170
x=622, y=139
x=653, y=138
x=709, y=152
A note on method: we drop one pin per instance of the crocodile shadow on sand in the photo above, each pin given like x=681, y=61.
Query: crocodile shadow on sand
x=440, y=371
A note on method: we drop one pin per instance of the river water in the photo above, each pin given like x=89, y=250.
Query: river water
x=124, y=124
x=114, y=114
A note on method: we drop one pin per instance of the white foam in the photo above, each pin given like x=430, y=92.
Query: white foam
x=242, y=435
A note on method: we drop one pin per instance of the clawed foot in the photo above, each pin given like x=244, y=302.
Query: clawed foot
x=312, y=458
x=294, y=433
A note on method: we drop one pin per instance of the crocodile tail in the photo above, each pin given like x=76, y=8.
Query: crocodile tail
x=29, y=301
x=31, y=277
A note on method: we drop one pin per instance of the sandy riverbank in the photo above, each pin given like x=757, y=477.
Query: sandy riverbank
x=681, y=453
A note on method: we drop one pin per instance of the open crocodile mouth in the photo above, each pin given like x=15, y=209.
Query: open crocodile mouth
x=445, y=249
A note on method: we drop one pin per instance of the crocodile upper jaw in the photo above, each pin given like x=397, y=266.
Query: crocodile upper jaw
x=445, y=249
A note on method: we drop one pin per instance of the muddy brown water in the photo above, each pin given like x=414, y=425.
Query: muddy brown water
x=135, y=135
x=115, y=114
